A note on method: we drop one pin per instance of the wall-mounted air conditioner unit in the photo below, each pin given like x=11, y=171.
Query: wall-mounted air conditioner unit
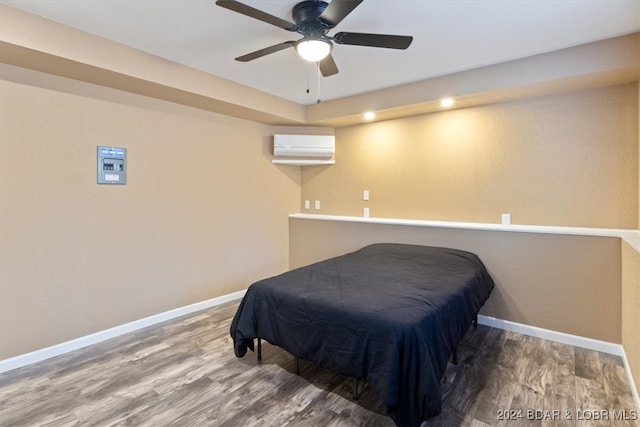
x=304, y=149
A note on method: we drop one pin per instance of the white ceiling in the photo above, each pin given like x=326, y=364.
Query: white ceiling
x=449, y=36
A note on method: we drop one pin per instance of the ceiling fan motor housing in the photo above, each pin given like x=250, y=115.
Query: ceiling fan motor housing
x=306, y=14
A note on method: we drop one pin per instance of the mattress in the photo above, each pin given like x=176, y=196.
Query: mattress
x=388, y=314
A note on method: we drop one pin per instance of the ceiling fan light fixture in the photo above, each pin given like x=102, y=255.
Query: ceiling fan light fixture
x=313, y=49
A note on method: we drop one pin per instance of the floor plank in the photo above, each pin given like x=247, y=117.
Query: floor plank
x=183, y=372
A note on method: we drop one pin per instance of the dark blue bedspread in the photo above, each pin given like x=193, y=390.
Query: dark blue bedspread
x=388, y=314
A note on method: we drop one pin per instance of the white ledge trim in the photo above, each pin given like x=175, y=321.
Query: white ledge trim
x=632, y=237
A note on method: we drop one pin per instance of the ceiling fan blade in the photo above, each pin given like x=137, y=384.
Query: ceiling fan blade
x=244, y=9
x=328, y=66
x=266, y=51
x=337, y=10
x=373, y=40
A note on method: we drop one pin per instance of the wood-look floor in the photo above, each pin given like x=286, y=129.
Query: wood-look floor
x=184, y=373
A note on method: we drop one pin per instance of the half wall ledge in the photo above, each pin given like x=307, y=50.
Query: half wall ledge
x=632, y=237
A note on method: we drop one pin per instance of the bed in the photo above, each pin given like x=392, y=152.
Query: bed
x=388, y=314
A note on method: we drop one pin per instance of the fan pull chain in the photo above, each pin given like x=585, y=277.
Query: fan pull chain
x=318, y=73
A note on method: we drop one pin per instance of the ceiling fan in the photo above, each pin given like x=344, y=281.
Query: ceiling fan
x=313, y=20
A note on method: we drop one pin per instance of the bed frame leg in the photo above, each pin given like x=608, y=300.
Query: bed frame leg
x=259, y=350
x=297, y=365
x=475, y=321
x=356, y=394
x=454, y=358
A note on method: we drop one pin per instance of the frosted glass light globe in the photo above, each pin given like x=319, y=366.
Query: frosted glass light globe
x=313, y=50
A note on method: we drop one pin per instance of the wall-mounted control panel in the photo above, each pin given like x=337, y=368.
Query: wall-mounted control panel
x=112, y=165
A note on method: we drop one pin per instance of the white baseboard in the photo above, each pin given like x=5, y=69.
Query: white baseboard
x=75, y=344
x=547, y=334
x=561, y=337
x=632, y=383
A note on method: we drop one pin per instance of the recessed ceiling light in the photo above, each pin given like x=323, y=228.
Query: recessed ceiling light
x=447, y=102
x=369, y=115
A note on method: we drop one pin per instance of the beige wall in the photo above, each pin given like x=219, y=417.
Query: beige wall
x=631, y=308
x=569, y=160
x=556, y=282
x=631, y=297
x=204, y=212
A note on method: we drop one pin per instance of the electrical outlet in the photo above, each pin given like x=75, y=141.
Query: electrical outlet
x=317, y=204
x=365, y=195
x=307, y=204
